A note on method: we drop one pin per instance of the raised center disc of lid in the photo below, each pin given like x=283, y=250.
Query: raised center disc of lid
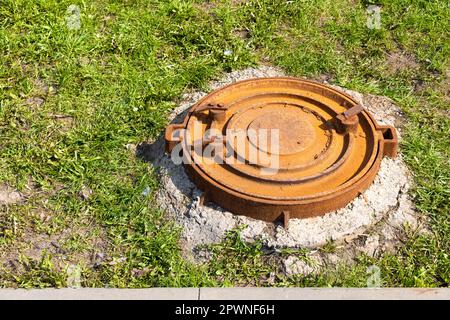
x=282, y=131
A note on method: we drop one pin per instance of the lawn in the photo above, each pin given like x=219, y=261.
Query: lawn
x=76, y=97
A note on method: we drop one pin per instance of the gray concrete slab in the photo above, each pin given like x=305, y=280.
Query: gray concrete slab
x=323, y=293
x=101, y=294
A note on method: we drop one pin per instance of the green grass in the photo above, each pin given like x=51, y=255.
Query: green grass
x=72, y=100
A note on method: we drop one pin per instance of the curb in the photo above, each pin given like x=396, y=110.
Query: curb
x=228, y=294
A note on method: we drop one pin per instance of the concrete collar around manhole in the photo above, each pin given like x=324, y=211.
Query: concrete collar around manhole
x=280, y=148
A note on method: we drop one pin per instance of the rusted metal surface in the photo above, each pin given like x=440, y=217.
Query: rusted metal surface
x=320, y=148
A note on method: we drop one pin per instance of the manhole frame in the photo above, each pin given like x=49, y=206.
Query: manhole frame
x=272, y=210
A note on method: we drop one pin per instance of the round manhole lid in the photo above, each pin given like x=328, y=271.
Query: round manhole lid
x=280, y=147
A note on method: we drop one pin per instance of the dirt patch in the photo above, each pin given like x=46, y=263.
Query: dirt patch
x=399, y=61
x=34, y=246
x=242, y=33
x=35, y=102
x=205, y=6
x=65, y=122
x=373, y=223
x=9, y=195
x=41, y=92
x=34, y=233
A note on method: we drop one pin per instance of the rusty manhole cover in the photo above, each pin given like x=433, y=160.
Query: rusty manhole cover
x=280, y=148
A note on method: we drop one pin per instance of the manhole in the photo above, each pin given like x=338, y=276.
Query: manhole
x=280, y=148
